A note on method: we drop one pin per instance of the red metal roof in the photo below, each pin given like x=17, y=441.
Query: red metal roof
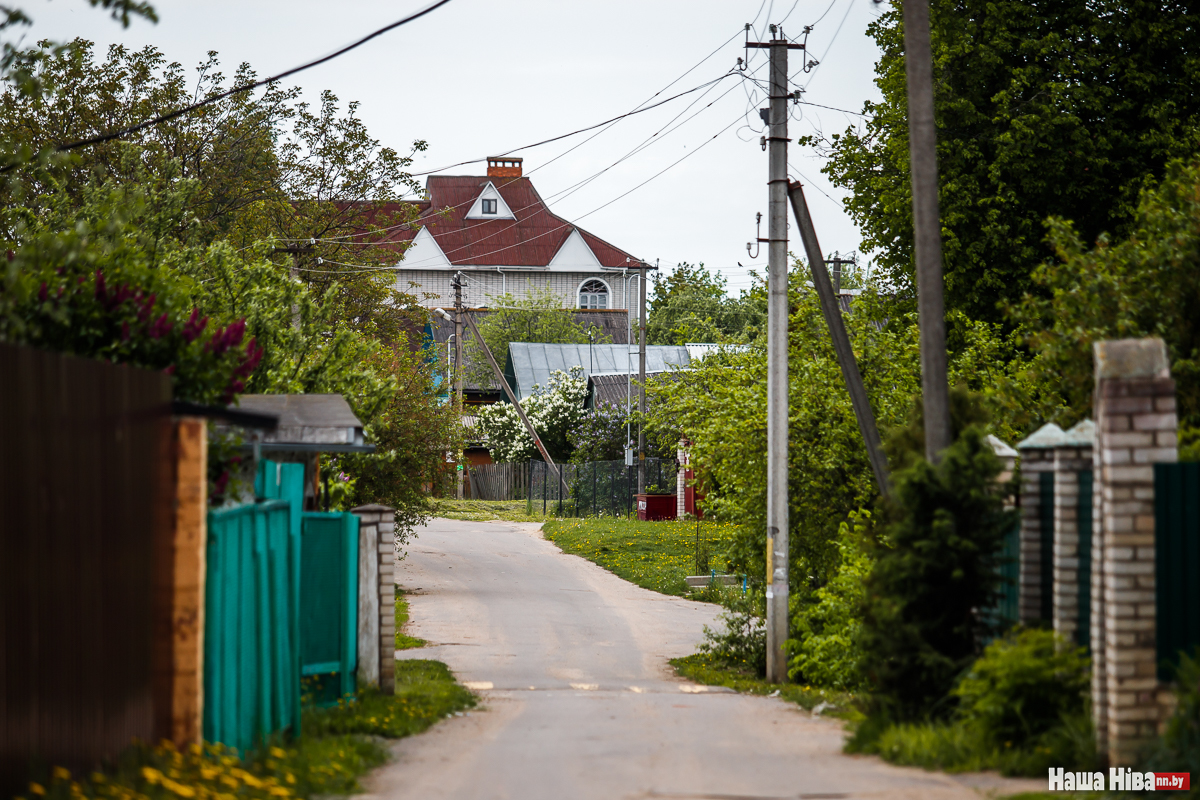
x=531, y=240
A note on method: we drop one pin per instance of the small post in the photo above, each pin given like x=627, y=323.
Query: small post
x=458, y=370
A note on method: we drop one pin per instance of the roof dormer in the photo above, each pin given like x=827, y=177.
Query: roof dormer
x=490, y=205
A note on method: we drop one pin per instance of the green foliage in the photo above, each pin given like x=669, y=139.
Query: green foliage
x=1178, y=749
x=425, y=693
x=740, y=640
x=690, y=304
x=654, y=555
x=403, y=640
x=554, y=411
x=1147, y=284
x=1036, y=118
x=712, y=671
x=538, y=317
x=936, y=571
x=483, y=510
x=1024, y=684
x=824, y=648
x=600, y=434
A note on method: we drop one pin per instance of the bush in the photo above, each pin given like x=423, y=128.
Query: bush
x=1024, y=685
x=937, y=573
x=742, y=641
x=1178, y=749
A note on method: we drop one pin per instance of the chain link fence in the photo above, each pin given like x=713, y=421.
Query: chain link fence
x=595, y=489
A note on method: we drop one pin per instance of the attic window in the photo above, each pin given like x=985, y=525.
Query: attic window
x=489, y=206
x=593, y=294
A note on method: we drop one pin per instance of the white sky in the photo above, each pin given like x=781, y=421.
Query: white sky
x=477, y=78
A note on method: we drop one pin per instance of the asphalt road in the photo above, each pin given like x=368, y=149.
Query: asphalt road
x=578, y=700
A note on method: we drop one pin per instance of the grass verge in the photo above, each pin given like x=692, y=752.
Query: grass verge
x=654, y=555
x=707, y=669
x=483, y=510
x=403, y=640
x=338, y=746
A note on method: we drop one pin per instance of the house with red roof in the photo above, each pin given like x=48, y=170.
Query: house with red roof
x=501, y=235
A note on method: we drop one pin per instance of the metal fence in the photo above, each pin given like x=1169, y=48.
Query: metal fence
x=499, y=481
x=1177, y=562
x=84, y=499
x=597, y=488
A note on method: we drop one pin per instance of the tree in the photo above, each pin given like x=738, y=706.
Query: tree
x=554, y=411
x=691, y=305
x=539, y=317
x=1064, y=109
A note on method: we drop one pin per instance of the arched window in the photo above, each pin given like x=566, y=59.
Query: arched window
x=593, y=294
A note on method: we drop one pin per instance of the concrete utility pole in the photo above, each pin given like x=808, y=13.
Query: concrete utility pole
x=642, y=381
x=832, y=310
x=458, y=372
x=777, y=358
x=296, y=251
x=927, y=239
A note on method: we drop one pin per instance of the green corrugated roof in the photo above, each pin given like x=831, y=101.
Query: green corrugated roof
x=531, y=363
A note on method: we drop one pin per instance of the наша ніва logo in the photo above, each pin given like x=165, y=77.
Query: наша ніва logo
x=1119, y=779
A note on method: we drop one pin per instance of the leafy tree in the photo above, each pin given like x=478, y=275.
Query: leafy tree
x=690, y=304
x=554, y=411
x=936, y=571
x=1064, y=109
x=539, y=317
x=601, y=434
x=1147, y=284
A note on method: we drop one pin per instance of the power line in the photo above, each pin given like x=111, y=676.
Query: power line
x=107, y=137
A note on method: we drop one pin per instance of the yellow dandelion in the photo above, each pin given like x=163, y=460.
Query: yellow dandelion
x=37, y=788
x=61, y=774
x=151, y=775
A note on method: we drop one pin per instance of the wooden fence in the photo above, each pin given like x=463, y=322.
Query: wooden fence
x=499, y=481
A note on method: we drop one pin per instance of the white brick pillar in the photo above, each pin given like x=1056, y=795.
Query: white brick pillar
x=1037, y=458
x=376, y=597
x=681, y=458
x=1134, y=406
x=1071, y=457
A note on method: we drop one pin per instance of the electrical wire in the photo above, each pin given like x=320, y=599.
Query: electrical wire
x=119, y=134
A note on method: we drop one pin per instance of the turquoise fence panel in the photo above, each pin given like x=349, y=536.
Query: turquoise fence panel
x=251, y=674
x=1083, y=516
x=1177, y=563
x=1004, y=614
x=329, y=605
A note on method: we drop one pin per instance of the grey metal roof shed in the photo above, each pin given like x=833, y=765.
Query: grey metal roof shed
x=529, y=363
x=308, y=423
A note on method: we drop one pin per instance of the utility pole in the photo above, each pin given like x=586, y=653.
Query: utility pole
x=777, y=357
x=927, y=239
x=642, y=381
x=458, y=372
x=296, y=251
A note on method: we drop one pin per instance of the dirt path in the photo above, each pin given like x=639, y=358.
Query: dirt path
x=579, y=702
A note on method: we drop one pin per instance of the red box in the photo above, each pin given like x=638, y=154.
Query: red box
x=656, y=506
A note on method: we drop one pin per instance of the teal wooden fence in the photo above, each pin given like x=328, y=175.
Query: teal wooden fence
x=1177, y=563
x=251, y=630
x=329, y=605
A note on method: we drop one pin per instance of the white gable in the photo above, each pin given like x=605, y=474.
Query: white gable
x=575, y=254
x=424, y=253
x=489, y=193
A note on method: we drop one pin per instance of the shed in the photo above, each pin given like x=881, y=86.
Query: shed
x=308, y=423
x=530, y=364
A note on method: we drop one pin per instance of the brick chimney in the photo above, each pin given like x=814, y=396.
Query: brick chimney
x=504, y=167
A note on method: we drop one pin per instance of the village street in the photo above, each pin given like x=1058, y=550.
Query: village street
x=578, y=700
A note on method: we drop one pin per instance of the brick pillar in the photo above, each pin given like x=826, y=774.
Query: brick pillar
x=1134, y=406
x=681, y=457
x=376, y=597
x=1037, y=458
x=1071, y=457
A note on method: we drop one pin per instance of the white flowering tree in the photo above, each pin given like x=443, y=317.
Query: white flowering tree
x=553, y=410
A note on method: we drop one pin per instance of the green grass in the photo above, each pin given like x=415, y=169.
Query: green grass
x=654, y=555
x=403, y=640
x=484, y=510
x=706, y=669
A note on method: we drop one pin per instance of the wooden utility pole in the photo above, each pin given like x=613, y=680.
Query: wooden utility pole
x=641, y=484
x=841, y=342
x=777, y=359
x=927, y=239
x=458, y=371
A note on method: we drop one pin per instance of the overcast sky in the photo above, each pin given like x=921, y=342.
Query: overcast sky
x=479, y=77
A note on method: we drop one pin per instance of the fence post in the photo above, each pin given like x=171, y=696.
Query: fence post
x=1037, y=459
x=1071, y=457
x=1134, y=407
x=376, y=596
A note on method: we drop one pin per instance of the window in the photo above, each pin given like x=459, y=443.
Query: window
x=593, y=294
x=489, y=206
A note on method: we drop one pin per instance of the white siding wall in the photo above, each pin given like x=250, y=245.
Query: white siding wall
x=479, y=284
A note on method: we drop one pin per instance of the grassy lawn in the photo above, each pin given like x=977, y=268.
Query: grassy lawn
x=654, y=555
x=338, y=746
x=702, y=668
x=484, y=510
x=403, y=640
